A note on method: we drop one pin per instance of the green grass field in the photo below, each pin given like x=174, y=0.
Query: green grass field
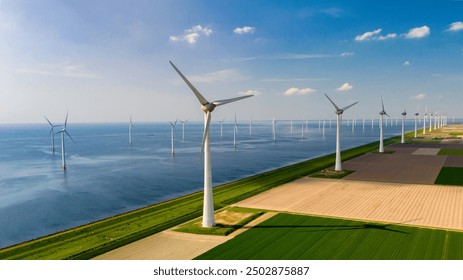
x=450, y=176
x=296, y=237
x=99, y=237
x=450, y=152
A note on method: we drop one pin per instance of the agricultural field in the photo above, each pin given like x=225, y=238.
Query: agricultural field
x=296, y=237
x=450, y=152
x=450, y=176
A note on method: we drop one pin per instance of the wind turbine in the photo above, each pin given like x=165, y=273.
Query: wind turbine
x=425, y=115
x=274, y=129
x=250, y=127
x=63, y=149
x=207, y=107
x=183, y=128
x=382, y=113
x=130, y=130
x=416, y=130
x=339, y=112
x=52, y=134
x=404, y=113
x=302, y=129
x=235, y=131
x=221, y=128
x=172, y=127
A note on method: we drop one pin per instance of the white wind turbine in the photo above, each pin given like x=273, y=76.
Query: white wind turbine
x=207, y=107
x=235, y=131
x=416, y=128
x=404, y=113
x=130, y=130
x=172, y=128
x=339, y=112
x=221, y=128
x=52, y=134
x=425, y=115
x=63, y=149
x=382, y=113
x=183, y=128
x=274, y=129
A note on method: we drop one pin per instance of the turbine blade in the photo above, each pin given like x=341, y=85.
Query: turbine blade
x=335, y=106
x=201, y=98
x=382, y=104
x=387, y=114
x=51, y=131
x=70, y=137
x=225, y=101
x=48, y=121
x=66, y=120
x=347, y=107
x=206, y=131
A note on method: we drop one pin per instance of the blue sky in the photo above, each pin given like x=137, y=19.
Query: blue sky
x=106, y=60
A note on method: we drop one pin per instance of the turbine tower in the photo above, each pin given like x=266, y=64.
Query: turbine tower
x=274, y=129
x=235, y=131
x=404, y=113
x=63, y=149
x=416, y=130
x=172, y=127
x=339, y=112
x=52, y=134
x=183, y=128
x=382, y=113
x=221, y=128
x=425, y=115
x=207, y=107
x=130, y=130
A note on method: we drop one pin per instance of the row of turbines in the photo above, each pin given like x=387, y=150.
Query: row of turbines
x=208, y=107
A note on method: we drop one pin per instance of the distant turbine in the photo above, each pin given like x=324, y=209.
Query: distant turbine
x=430, y=122
x=404, y=113
x=250, y=127
x=291, y=126
x=63, y=149
x=363, y=125
x=52, y=134
x=425, y=115
x=221, y=128
x=339, y=112
x=207, y=108
x=172, y=127
x=416, y=129
x=382, y=113
x=274, y=129
x=183, y=128
x=130, y=130
x=235, y=131
x=302, y=129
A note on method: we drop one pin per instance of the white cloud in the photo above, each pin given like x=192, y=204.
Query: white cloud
x=297, y=91
x=345, y=54
x=418, y=32
x=388, y=36
x=420, y=96
x=373, y=35
x=244, y=30
x=368, y=35
x=406, y=63
x=250, y=92
x=192, y=35
x=219, y=76
x=59, y=70
x=456, y=26
x=345, y=87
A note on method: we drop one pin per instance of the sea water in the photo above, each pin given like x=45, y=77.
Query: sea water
x=106, y=176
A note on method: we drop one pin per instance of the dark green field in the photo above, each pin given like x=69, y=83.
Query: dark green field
x=293, y=237
x=450, y=176
x=450, y=152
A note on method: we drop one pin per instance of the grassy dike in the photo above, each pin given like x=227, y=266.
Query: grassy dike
x=93, y=239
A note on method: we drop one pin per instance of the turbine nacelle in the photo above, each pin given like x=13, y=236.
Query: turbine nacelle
x=208, y=107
